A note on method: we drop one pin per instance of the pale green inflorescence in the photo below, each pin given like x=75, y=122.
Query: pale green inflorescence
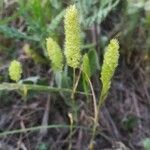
x=72, y=37
x=15, y=70
x=110, y=63
x=55, y=54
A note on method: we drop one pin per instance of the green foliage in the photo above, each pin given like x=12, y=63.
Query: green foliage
x=56, y=3
x=72, y=42
x=12, y=32
x=33, y=54
x=94, y=61
x=86, y=65
x=135, y=6
x=32, y=21
x=55, y=22
x=42, y=24
x=62, y=79
x=42, y=146
x=40, y=18
x=130, y=122
x=90, y=65
x=146, y=144
x=86, y=72
x=37, y=22
x=95, y=11
x=134, y=19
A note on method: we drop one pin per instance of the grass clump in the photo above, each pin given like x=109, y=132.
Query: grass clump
x=74, y=59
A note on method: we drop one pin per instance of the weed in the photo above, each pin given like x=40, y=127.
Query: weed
x=74, y=60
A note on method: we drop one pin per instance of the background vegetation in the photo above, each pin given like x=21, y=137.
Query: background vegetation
x=41, y=115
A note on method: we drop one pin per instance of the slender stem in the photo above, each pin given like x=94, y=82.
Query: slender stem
x=34, y=87
x=101, y=99
x=94, y=97
x=75, y=85
x=74, y=80
x=73, y=117
x=71, y=130
x=74, y=76
x=100, y=103
x=73, y=98
x=96, y=110
x=5, y=133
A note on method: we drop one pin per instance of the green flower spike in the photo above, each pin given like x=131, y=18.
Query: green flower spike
x=15, y=70
x=110, y=63
x=54, y=54
x=72, y=39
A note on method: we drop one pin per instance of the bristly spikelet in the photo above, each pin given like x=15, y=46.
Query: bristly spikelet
x=15, y=70
x=72, y=37
x=55, y=54
x=110, y=63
